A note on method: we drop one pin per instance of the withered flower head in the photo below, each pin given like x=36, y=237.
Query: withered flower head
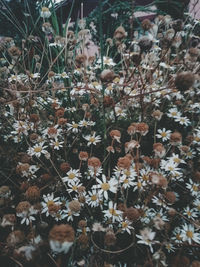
x=33, y=137
x=124, y=163
x=15, y=238
x=83, y=155
x=132, y=214
x=142, y=128
x=184, y=80
x=157, y=114
x=94, y=162
x=170, y=196
x=120, y=33
x=195, y=264
x=8, y=219
x=4, y=191
x=108, y=101
x=115, y=135
x=107, y=75
x=62, y=233
x=62, y=121
x=33, y=193
x=82, y=223
x=14, y=51
x=136, y=58
x=175, y=138
x=110, y=238
x=145, y=44
x=80, y=60
x=34, y=117
x=146, y=24
x=64, y=167
x=177, y=25
x=60, y=112
x=74, y=206
x=159, y=150
x=23, y=206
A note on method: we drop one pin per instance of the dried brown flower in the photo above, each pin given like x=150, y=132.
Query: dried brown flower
x=80, y=60
x=124, y=163
x=195, y=264
x=110, y=238
x=23, y=206
x=184, y=80
x=120, y=33
x=65, y=167
x=83, y=155
x=107, y=75
x=34, y=117
x=14, y=51
x=94, y=162
x=145, y=44
x=146, y=24
x=108, y=101
x=62, y=233
x=142, y=128
x=157, y=114
x=15, y=238
x=175, y=138
x=60, y=112
x=74, y=205
x=33, y=193
x=170, y=196
x=132, y=214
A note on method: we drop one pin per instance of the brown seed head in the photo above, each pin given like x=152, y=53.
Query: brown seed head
x=124, y=163
x=94, y=162
x=33, y=193
x=62, y=233
x=74, y=206
x=120, y=33
x=64, y=167
x=170, y=196
x=23, y=206
x=83, y=155
x=110, y=238
x=132, y=214
x=175, y=138
x=142, y=128
x=107, y=75
x=14, y=238
x=184, y=80
x=146, y=24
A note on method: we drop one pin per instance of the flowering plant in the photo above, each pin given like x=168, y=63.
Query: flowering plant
x=100, y=154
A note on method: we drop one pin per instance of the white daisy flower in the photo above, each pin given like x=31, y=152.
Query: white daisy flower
x=37, y=150
x=92, y=139
x=106, y=186
x=72, y=175
x=112, y=212
x=163, y=134
x=188, y=234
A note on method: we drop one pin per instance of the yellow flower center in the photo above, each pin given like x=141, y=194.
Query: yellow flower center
x=127, y=173
x=163, y=134
x=174, y=113
x=56, y=143
x=71, y=175
x=38, y=149
x=45, y=9
x=189, y=234
x=75, y=125
x=145, y=177
x=50, y=203
x=139, y=184
x=105, y=186
x=195, y=188
x=92, y=139
x=177, y=160
x=94, y=198
x=74, y=187
x=126, y=181
x=113, y=212
x=178, y=237
x=124, y=224
x=189, y=213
